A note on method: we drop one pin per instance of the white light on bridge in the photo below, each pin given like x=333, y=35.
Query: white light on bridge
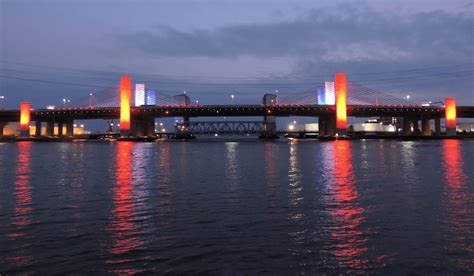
x=329, y=91
x=139, y=94
x=291, y=127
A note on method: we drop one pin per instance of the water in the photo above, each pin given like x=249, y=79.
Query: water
x=251, y=207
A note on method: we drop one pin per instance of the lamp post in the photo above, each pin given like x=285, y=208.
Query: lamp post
x=90, y=99
x=1, y=101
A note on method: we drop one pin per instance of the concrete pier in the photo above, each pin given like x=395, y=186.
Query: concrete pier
x=406, y=126
x=426, y=127
x=70, y=128
x=437, y=123
x=331, y=127
x=60, y=129
x=269, y=121
x=142, y=126
x=50, y=129
x=2, y=126
x=322, y=125
x=38, y=129
x=416, y=126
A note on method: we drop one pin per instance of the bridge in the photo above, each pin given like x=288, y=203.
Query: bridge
x=138, y=121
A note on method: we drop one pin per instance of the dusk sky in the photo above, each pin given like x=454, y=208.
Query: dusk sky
x=66, y=49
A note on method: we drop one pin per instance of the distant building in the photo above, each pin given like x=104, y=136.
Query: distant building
x=14, y=130
x=465, y=127
x=375, y=125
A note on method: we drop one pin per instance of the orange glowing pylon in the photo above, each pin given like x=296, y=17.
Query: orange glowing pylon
x=450, y=109
x=341, y=102
x=25, y=118
x=125, y=97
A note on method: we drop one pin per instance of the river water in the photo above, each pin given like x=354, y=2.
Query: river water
x=246, y=206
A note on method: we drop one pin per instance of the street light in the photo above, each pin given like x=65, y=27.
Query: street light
x=232, y=96
x=90, y=99
x=64, y=102
x=1, y=98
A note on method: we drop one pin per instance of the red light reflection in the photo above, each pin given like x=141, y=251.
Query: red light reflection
x=22, y=192
x=347, y=215
x=124, y=230
x=23, y=200
x=457, y=221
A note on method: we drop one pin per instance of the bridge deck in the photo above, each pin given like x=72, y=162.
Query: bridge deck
x=234, y=110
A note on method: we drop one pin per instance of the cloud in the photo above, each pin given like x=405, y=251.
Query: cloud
x=351, y=32
x=352, y=37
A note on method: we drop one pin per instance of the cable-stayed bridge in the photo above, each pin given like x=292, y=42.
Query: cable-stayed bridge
x=349, y=100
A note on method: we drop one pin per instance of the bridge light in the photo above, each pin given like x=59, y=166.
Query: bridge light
x=125, y=95
x=341, y=104
x=25, y=117
x=291, y=127
x=450, y=116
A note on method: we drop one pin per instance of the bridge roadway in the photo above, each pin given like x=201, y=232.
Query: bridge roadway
x=68, y=114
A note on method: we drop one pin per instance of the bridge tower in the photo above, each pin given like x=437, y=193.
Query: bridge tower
x=125, y=101
x=25, y=118
x=269, y=121
x=450, y=116
x=340, y=84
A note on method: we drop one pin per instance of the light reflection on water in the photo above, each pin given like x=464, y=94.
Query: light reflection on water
x=21, y=221
x=458, y=215
x=125, y=233
x=347, y=214
x=132, y=208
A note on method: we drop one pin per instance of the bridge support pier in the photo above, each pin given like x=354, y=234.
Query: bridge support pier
x=437, y=126
x=406, y=127
x=331, y=126
x=142, y=126
x=426, y=127
x=50, y=128
x=269, y=122
x=327, y=126
x=38, y=129
x=2, y=126
x=321, y=126
x=60, y=129
x=70, y=128
x=416, y=127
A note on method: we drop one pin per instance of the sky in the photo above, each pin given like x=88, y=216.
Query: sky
x=55, y=49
